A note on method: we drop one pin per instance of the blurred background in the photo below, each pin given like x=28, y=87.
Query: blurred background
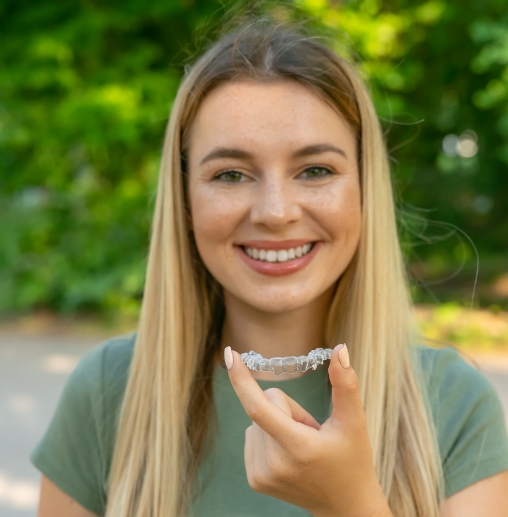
x=85, y=92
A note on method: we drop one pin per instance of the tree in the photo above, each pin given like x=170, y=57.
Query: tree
x=86, y=88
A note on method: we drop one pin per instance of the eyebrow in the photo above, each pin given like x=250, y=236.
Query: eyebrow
x=318, y=149
x=309, y=150
x=226, y=152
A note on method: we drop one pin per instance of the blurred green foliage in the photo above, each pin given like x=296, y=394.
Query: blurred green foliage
x=439, y=76
x=86, y=88
x=478, y=329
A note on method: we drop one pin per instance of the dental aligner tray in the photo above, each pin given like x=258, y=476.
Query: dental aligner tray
x=291, y=364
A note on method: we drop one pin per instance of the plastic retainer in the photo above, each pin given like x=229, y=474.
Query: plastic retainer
x=291, y=364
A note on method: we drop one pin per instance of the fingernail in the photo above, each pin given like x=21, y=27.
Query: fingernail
x=344, y=355
x=228, y=357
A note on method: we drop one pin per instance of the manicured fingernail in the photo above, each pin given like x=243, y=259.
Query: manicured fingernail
x=228, y=357
x=344, y=355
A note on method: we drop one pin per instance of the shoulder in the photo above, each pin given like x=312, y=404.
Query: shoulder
x=75, y=452
x=455, y=387
x=468, y=417
x=94, y=391
x=100, y=379
x=445, y=367
x=106, y=366
x=116, y=358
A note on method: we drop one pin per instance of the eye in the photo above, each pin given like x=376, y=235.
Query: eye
x=316, y=172
x=230, y=177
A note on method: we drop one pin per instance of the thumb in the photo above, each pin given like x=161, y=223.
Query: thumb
x=347, y=409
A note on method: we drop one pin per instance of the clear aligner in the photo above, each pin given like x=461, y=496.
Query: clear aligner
x=291, y=364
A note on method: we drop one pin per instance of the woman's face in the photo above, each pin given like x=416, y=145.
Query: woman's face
x=274, y=193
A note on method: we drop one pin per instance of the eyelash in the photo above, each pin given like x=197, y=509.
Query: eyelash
x=218, y=176
x=328, y=172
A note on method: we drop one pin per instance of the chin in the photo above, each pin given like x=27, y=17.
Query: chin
x=278, y=302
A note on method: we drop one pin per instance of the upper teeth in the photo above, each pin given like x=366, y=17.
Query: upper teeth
x=280, y=255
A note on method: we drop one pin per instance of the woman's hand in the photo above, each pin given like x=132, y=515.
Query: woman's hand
x=326, y=469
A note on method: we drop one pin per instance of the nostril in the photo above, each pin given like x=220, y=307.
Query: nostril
x=275, y=214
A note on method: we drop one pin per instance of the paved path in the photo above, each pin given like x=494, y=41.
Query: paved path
x=33, y=372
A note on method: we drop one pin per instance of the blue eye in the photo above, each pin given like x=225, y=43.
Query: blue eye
x=230, y=176
x=316, y=172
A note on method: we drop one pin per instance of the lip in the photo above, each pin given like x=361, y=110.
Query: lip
x=276, y=268
x=274, y=245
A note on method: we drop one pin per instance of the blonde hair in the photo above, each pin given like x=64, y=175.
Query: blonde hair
x=168, y=404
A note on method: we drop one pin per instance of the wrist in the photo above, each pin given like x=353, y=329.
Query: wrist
x=372, y=503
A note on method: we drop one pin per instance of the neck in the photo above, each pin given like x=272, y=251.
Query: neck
x=295, y=332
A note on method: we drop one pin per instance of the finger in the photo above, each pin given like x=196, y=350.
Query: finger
x=248, y=451
x=278, y=424
x=347, y=405
x=261, y=444
x=254, y=454
x=291, y=407
x=260, y=441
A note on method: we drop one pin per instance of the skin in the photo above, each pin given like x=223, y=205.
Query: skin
x=287, y=453
x=274, y=197
x=54, y=502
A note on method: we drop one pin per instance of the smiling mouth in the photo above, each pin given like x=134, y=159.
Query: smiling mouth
x=279, y=256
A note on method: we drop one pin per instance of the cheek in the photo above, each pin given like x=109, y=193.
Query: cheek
x=215, y=215
x=349, y=215
x=339, y=212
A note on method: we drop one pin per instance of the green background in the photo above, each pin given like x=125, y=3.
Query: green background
x=86, y=88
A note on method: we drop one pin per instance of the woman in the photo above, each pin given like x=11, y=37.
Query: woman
x=274, y=231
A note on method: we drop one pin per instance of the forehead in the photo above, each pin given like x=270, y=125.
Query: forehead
x=272, y=115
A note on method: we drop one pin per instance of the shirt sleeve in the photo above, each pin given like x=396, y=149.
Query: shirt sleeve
x=470, y=423
x=71, y=452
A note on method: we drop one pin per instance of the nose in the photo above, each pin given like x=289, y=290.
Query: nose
x=276, y=204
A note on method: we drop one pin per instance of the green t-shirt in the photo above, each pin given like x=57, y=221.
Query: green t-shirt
x=76, y=451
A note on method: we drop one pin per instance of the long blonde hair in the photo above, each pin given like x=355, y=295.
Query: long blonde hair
x=168, y=406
